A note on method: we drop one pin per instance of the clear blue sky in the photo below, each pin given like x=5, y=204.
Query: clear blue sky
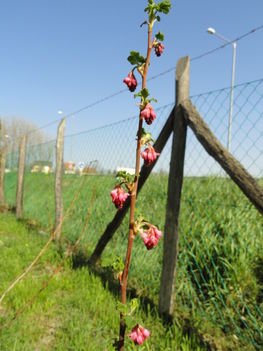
x=65, y=54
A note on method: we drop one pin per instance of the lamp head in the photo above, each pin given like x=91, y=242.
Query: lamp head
x=211, y=30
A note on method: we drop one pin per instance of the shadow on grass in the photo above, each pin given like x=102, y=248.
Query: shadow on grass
x=80, y=259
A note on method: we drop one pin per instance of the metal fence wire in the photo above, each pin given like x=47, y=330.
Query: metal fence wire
x=219, y=280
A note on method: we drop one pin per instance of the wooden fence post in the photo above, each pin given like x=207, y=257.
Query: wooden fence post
x=59, y=175
x=175, y=182
x=20, y=178
x=2, y=171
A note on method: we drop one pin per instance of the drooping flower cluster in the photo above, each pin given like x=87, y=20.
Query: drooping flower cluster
x=148, y=114
x=149, y=155
x=119, y=196
x=151, y=237
x=158, y=48
x=131, y=81
x=139, y=334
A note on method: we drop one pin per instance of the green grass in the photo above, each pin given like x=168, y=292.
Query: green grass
x=219, y=286
x=75, y=312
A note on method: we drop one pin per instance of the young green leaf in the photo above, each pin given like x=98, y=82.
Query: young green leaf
x=144, y=93
x=164, y=6
x=122, y=308
x=159, y=36
x=135, y=58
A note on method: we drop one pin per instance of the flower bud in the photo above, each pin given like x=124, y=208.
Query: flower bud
x=119, y=196
x=151, y=237
x=139, y=334
x=148, y=114
x=158, y=47
x=131, y=81
x=149, y=155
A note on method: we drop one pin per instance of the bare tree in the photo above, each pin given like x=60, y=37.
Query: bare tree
x=16, y=128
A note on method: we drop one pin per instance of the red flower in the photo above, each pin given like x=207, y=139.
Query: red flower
x=139, y=334
x=131, y=81
x=118, y=196
x=149, y=155
x=151, y=237
x=158, y=47
x=148, y=114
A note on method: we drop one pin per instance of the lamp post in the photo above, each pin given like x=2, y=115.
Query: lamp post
x=72, y=140
x=212, y=31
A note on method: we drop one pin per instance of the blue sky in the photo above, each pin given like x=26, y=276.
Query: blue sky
x=66, y=54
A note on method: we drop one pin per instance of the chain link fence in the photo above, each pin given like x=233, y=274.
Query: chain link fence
x=219, y=280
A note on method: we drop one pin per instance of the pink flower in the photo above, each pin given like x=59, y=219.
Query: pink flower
x=151, y=237
x=149, y=155
x=158, y=47
x=139, y=334
x=131, y=81
x=148, y=114
x=118, y=196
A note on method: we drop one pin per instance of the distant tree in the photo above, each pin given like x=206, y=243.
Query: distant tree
x=15, y=128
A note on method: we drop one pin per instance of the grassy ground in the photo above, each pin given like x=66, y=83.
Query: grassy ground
x=75, y=312
x=219, y=286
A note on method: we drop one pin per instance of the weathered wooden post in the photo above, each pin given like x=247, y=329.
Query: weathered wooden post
x=2, y=170
x=59, y=176
x=20, y=178
x=175, y=182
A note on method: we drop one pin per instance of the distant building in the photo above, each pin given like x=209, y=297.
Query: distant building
x=69, y=167
x=42, y=167
x=125, y=169
x=89, y=170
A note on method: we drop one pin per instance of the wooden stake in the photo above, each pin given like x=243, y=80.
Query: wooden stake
x=20, y=178
x=175, y=183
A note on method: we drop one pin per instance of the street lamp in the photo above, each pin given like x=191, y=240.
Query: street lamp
x=212, y=31
x=72, y=136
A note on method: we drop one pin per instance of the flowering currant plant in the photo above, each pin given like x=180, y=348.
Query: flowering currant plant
x=127, y=184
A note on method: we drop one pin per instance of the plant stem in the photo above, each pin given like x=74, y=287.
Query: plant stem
x=133, y=200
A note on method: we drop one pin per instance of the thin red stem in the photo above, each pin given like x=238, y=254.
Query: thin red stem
x=133, y=200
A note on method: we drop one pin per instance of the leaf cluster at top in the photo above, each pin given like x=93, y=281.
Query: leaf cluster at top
x=153, y=9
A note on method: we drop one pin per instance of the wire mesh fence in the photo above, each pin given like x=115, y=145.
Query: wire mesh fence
x=219, y=282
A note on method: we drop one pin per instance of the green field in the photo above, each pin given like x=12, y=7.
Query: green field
x=219, y=286
x=74, y=312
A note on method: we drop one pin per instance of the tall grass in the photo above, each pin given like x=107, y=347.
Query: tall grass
x=219, y=285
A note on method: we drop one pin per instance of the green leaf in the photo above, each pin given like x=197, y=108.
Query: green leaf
x=118, y=264
x=122, y=308
x=124, y=177
x=144, y=93
x=159, y=36
x=134, y=304
x=158, y=18
x=164, y=6
x=135, y=58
